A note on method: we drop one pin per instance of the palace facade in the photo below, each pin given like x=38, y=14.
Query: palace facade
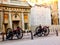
x=14, y=13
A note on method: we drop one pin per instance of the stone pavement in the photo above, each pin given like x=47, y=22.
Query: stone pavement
x=26, y=40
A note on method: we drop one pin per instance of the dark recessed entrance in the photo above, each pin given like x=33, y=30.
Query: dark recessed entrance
x=15, y=24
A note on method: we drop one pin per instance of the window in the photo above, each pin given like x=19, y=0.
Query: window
x=26, y=25
x=5, y=18
x=25, y=17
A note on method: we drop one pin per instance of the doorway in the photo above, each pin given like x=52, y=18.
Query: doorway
x=15, y=24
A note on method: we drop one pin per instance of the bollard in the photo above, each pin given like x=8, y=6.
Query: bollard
x=31, y=35
x=2, y=36
x=56, y=32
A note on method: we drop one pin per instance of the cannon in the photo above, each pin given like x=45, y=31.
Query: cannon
x=19, y=34
x=10, y=33
x=41, y=31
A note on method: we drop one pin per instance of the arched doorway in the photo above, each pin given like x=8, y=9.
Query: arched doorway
x=15, y=24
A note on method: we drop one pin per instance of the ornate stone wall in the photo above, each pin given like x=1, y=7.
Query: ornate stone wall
x=54, y=13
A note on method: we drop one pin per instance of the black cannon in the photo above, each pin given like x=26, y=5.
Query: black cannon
x=19, y=33
x=39, y=31
x=10, y=33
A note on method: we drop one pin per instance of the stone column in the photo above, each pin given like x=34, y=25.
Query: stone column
x=29, y=21
x=1, y=21
x=22, y=20
x=10, y=20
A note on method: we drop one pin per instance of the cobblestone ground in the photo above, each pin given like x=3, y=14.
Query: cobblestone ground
x=26, y=40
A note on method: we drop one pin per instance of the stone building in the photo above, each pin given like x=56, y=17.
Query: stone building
x=14, y=13
x=42, y=16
